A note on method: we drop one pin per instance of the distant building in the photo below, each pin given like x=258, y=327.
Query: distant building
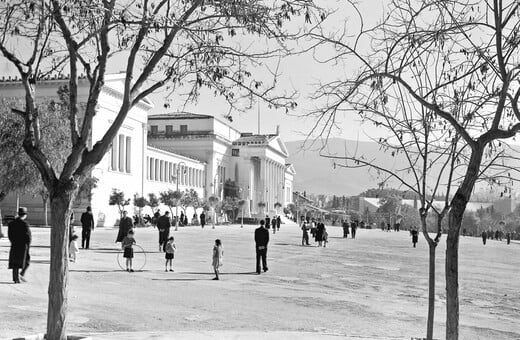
x=155, y=153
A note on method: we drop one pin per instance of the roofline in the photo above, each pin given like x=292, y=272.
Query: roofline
x=202, y=116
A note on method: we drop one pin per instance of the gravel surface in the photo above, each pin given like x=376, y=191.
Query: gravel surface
x=373, y=287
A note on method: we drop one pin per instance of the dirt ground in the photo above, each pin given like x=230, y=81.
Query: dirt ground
x=372, y=287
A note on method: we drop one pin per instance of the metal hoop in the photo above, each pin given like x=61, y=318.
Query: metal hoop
x=140, y=250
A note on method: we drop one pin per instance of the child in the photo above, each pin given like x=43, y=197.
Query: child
x=218, y=252
x=325, y=237
x=73, y=248
x=126, y=245
x=170, y=253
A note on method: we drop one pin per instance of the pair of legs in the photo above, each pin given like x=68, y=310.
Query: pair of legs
x=129, y=264
x=320, y=243
x=305, y=239
x=85, y=238
x=262, y=254
x=168, y=262
x=19, y=275
x=215, y=268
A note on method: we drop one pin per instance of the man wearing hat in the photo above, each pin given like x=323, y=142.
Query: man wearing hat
x=87, y=225
x=19, y=234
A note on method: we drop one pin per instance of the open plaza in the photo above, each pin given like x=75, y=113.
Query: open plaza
x=371, y=287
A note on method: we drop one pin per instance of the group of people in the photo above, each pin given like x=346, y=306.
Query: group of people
x=273, y=223
x=496, y=235
x=353, y=228
x=316, y=228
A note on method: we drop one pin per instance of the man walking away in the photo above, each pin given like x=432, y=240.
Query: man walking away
x=267, y=222
x=202, y=219
x=484, y=237
x=353, y=229
x=19, y=234
x=305, y=233
x=163, y=225
x=344, y=224
x=278, y=222
x=261, y=241
x=87, y=225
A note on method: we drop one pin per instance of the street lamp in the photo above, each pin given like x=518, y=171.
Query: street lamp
x=177, y=189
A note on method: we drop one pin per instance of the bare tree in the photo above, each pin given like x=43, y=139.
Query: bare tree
x=466, y=53
x=183, y=46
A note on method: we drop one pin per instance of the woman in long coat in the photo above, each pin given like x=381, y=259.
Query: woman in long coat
x=125, y=225
x=320, y=229
x=19, y=234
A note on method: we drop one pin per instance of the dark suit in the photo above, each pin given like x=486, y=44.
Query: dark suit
x=261, y=241
x=163, y=224
x=202, y=219
x=125, y=225
x=87, y=225
x=19, y=234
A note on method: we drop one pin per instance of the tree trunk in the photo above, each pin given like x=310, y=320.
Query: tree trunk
x=452, y=276
x=431, y=292
x=61, y=202
x=45, y=211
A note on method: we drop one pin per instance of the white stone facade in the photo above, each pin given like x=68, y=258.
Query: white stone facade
x=151, y=153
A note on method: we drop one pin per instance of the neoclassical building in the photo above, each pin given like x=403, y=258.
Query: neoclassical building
x=154, y=153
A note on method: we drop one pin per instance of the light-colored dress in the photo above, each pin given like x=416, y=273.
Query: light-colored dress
x=73, y=250
x=218, y=252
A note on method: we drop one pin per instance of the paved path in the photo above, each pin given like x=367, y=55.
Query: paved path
x=373, y=287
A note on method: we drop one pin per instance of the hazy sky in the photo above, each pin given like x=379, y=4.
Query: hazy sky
x=299, y=73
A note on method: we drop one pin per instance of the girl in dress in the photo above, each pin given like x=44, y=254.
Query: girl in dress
x=218, y=252
x=73, y=248
x=170, y=253
x=128, y=254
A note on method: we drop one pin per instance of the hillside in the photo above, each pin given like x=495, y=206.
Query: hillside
x=316, y=174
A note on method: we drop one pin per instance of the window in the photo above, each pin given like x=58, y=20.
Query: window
x=121, y=153
x=150, y=167
x=169, y=129
x=113, y=155
x=147, y=167
x=184, y=129
x=235, y=152
x=156, y=164
x=128, y=154
x=155, y=129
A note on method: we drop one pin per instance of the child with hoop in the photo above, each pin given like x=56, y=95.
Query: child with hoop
x=128, y=250
x=170, y=249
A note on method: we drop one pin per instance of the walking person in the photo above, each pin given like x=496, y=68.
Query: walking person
x=484, y=237
x=305, y=233
x=415, y=236
x=344, y=224
x=261, y=241
x=353, y=228
x=202, y=219
x=267, y=222
x=87, y=225
x=278, y=222
x=218, y=253
x=19, y=234
x=273, y=224
x=508, y=237
x=169, y=255
x=128, y=250
x=163, y=225
x=320, y=228
x=125, y=225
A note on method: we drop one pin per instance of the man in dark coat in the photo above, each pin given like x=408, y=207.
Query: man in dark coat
x=163, y=225
x=278, y=222
x=202, y=219
x=267, y=222
x=484, y=237
x=87, y=225
x=353, y=228
x=19, y=234
x=125, y=225
x=345, y=226
x=261, y=241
